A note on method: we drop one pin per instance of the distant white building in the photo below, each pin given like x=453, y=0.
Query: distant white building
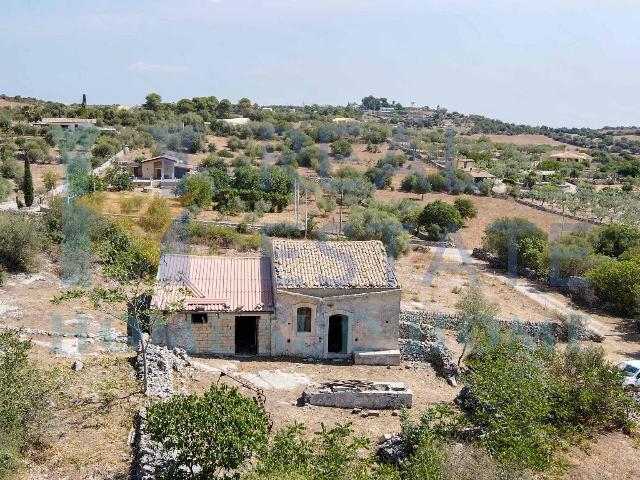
x=66, y=123
x=386, y=110
x=236, y=121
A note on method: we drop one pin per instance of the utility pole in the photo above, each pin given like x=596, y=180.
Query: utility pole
x=341, y=203
x=295, y=201
x=306, y=214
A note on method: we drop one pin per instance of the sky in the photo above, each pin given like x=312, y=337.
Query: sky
x=573, y=63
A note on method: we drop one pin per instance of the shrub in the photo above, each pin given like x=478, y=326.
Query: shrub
x=2, y=274
x=617, y=283
x=518, y=237
x=195, y=190
x=326, y=204
x=218, y=432
x=5, y=189
x=157, y=216
x=284, y=230
x=613, y=240
x=466, y=207
x=439, y=213
x=118, y=179
x=25, y=395
x=221, y=237
x=50, y=179
x=332, y=453
x=438, y=182
x=20, y=242
x=341, y=148
x=377, y=224
x=130, y=204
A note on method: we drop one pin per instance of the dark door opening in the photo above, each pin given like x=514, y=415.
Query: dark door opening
x=246, y=335
x=337, y=338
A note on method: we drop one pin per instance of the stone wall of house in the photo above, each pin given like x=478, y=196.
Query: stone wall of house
x=217, y=336
x=373, y=321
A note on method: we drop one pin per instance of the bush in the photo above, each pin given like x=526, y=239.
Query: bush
x=157, y=216
x=226, y=203
x=613, y=240
x=49, y=178
x=326, y=204
x=331, y=454
x=466, y=207
x=195, y=190
x=519, y=237
x=5, y=189
x=25, y=395
x=439, y=213
x=221, y=237
x=284, y=230
x=20, y=242
x=118, y=179
x=341, y=148
x=377, y=224
x=218, y=432
x=527, y=400
x=617, y=283
x=130, y=204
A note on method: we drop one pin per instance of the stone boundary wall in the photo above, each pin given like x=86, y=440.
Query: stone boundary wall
x=529, y=203
x=561, y=332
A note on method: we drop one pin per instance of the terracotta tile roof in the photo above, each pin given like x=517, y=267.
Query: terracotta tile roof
x=311, y=264
x=215, y=284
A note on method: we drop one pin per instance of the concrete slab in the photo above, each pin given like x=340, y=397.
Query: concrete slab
x=359, y=394
x=381, y=357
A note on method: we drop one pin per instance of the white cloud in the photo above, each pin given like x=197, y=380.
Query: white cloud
x=157, y=68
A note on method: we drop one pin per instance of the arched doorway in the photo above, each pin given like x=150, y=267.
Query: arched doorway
x=337, y=338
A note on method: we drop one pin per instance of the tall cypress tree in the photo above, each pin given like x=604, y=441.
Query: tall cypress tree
x=27, y=183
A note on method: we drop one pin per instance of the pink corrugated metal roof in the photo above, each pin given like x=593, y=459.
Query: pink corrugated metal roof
x=215, y=284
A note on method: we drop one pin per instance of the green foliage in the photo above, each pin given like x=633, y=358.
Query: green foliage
x=125, y=256
x=130, y=204
x=221, y=237
x=284, y=230
x=157, y=216
x=327, y=204
x=20, y=242
x=332, y=453
x=118, y=179
x=446, y=217
x=377, y=224
x=617, y=284
x=225, y=199
x=153, y=102
x=5, y=189
x=27, y=184
x=416, y=183
x=49, y=178
x=26, y=394
x=341, y=148
x=517, y=237
x=195, y=190
x=528, y=401
x=614, y=239
x=466, y=207
x=218, y=432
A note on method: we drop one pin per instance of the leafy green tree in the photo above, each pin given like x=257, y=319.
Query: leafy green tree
x=223, y=109
x=377, y=224
x=278, y=181
x=614, y=239
x=617, y=284
x=50, y=179
x=248, y=178
x=326, y=204
x=118, y=179
x=466, y=207
x=516, y=240
x=195, y=190
x=27, y=183
x=446, y=217
x=209, y=436
x=153, y=101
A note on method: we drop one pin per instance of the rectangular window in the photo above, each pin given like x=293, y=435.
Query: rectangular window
x=304, y=319
x=199, y=318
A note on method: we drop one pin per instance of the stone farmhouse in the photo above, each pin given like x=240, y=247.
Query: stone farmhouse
x=304, y=299
x=162, y=167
